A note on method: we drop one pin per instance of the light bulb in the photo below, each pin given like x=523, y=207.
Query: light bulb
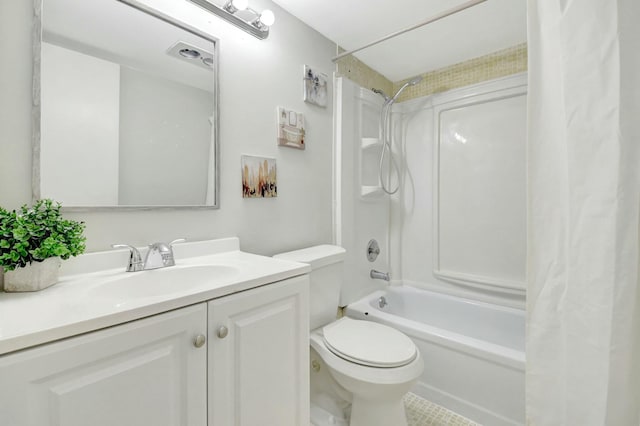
x=267, y=18
x=240, y=4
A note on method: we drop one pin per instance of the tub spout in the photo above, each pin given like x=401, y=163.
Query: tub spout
x=377, y=275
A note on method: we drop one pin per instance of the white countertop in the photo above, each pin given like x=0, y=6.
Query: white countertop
x=71, y=306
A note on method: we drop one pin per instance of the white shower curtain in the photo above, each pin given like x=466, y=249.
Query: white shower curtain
x=583, y=296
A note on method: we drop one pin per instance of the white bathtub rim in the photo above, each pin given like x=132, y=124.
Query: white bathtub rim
x=484, y=350
x=464, y=298
x=463, y=292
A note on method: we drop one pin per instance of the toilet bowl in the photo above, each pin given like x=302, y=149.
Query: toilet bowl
x=370, y=365
x=375, y=377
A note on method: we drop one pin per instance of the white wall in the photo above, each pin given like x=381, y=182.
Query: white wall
x=15, y=103
x=164, y=146
x=255, y=77
x=80, y=94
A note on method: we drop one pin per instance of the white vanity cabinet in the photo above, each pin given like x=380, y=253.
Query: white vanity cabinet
x=259, y=356
x=235, y=360
x=146, y=372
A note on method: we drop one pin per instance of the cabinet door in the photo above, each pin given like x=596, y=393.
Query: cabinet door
x=146, y=372
x=259, y=356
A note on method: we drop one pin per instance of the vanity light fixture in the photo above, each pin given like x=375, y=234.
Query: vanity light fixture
x=265, y=20
x=238, y=13
x=232, y=6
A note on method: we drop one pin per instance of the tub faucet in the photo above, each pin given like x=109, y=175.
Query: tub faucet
x=160, y=255
x=377, y=275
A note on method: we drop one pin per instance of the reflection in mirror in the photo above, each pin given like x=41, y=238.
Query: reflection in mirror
x=128, y=108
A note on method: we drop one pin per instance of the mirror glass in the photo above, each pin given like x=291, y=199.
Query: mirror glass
x=127, y=106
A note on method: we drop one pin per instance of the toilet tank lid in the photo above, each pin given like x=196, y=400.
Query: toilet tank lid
x=316, y=256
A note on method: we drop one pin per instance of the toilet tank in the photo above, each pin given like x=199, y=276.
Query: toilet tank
x=327, y=271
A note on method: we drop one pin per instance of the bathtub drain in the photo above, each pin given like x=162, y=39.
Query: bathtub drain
x=382, y=302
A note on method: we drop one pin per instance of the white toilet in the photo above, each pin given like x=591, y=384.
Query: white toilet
x=370, y=365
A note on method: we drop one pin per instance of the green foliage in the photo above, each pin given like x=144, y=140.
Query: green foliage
x=37, y=233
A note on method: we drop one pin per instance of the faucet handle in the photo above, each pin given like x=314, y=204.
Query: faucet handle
x=160, y=255
x=179, y=240
x=373, y=250
x=135, y=260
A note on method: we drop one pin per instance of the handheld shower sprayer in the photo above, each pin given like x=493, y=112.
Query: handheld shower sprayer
x=411, y=82
x=386, y=135
x=389, y=100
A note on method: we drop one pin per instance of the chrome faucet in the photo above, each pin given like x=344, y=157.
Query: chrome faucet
x=160, y=255
x=377, y=275
x=135, y=260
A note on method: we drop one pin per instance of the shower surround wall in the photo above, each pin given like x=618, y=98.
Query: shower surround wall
x=480, y=256
x=361, y=210
x=458, y=225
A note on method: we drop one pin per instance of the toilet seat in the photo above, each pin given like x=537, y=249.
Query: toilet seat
x=369, y=343
x=370, y=375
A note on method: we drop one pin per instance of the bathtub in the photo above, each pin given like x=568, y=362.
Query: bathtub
x=473, y=351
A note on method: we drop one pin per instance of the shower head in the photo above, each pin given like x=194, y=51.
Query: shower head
x=412, y=82
x=415, y=80
x=381, y=93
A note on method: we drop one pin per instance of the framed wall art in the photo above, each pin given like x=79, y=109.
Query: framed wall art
x=290, y=128
x=259, y=177
x=315, y=86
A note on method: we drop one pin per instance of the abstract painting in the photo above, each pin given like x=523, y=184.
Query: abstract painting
x=259, y=179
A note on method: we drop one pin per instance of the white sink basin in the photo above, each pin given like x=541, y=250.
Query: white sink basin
x=162, y=282
x=94, y=291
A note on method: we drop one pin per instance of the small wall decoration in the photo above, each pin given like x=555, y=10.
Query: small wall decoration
x=259, y=179
x=315, y=87
x=290, y=128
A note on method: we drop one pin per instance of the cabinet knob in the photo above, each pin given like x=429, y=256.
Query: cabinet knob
x=199, y=341
x=222, y=332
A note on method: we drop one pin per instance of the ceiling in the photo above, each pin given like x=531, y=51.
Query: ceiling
x=482, y=29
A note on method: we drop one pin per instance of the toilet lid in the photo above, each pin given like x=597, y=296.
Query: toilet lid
x=369, y=343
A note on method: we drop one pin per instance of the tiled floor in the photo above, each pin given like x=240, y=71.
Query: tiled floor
x=421, y=412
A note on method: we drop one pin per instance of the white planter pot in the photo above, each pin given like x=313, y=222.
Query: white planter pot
x=33, y=277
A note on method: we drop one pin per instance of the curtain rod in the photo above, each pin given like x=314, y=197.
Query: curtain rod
x=435, y=18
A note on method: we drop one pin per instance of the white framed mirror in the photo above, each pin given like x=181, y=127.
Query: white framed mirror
x=125, y=107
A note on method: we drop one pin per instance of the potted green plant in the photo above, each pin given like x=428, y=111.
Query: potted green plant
x=33, y=240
